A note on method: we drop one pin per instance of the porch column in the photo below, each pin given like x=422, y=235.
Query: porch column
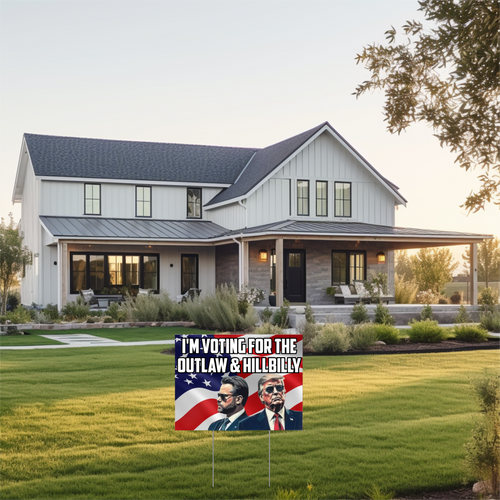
x=245, y=256
x=279, y=272
x=473, y=274
x=63, y=274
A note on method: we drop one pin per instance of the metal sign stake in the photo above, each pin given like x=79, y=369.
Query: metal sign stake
x=213, y=459
x=269, y=459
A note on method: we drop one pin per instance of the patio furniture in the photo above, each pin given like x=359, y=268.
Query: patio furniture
x=190, y=294
x=346, y=296
x=363, y=292
x=145, y=291
x=89, y=298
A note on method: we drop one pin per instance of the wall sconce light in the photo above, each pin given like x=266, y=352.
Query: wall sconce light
x=381, y=257
x=263, y=255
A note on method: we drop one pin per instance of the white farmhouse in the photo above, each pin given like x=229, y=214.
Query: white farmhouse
x=292, y=218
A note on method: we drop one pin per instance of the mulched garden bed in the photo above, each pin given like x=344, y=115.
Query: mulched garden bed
x=464, y=493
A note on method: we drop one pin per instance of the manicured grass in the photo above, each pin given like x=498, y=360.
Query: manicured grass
x=99, y=423
x=121, y=334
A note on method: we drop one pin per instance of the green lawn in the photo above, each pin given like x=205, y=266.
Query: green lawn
x=120, y=334
x=99, y=423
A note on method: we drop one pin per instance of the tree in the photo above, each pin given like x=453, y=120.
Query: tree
x=13, y=257
x=449, y=77
x=488, y=261
x=433, y=268
x=403, y=265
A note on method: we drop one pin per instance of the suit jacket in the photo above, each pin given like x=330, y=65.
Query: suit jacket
x=215, y=426
x=259, y=422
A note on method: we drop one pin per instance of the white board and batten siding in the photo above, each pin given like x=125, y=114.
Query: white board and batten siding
x=325, y=159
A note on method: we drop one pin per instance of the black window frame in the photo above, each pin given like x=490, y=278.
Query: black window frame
x=143, y=202
x=199, y=202
x=349, y=278
x=343, y=199
x=197, y=256
x=106, y=269
x=321, y=199
x=303, y=198
x=93, y=199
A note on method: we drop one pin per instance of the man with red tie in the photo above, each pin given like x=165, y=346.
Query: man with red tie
x=274, y=416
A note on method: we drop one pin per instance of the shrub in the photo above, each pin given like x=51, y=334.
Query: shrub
x=463, y=316
x=426, y=331
x=75, y=310
x=13, y=300
x=482, y=459
x=457, y=297
x=266, y=315
x=268, y=329
x=51, y=312
x=219, y=311
x=309, y=314
x=405, y=292
x=470, y=333
x=359, y=314
x=362, y=336
x=309, y=332
x=18, y=316
x=488, y=297
x=280, y=317
x=426, y=313
x=333, y=337
x=116, y=312
x=443, y=300
x=387, y=333
x=383, y=316
x=427, y=297
x=169, y=309
x=141, y=308
x=490, y=320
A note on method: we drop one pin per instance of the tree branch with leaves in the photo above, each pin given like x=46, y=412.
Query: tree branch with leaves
x=449, y=77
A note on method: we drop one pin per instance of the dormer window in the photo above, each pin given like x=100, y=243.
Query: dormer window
x=92, y=199
x=143, y=201
x=194, y=203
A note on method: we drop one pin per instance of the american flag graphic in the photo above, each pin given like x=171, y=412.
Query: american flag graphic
x=196, y=391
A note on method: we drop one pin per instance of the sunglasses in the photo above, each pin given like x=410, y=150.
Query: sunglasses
x=224, y=397
x=270, y=388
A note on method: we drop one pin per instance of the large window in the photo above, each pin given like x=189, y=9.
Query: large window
x=92, y=199
x=189, y=272
x=143, y=201
x=302, y=197
x=194, y=203
x=342, y=199
x=103, y=272
x=321, y=198
x=348, y=266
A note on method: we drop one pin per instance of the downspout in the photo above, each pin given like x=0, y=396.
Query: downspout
x=240, y=202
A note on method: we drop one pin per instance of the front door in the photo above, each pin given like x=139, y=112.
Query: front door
x=295, y=275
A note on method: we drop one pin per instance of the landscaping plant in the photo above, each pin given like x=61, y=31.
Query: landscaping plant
x=77, y=310
x=426, y=331
x=362, y=336
x=470, y=333
x=490, y=320
x=333, y=337
x=463, y=316
x=387, y=333
x=359, y=314
x=426, y=312
x=383, y=316
x=280, y=317
x=483, y=449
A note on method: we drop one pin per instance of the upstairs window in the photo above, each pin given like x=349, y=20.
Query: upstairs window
x=321, y=198
x=342, y=199
x=143, y=201
x=194, y=203
x=92, y=199
x=302, y=197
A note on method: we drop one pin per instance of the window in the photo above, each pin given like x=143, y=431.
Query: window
x=321, y=198
x=106, y=271
x=194, y=203
x=348, y=266
x=342, y=199
x=302, y=197
x=92, y=199
x=189, y=272
x=143, y=201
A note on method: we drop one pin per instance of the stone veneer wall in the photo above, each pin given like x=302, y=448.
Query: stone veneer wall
x=226, y=264
x=318, y=265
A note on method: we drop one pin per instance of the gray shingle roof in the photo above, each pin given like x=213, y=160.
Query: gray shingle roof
x=130, y=229
x=142, y=161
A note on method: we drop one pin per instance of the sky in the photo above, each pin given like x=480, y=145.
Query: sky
x=218, y=72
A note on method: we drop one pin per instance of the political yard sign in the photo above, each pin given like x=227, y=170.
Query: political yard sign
x=238, y=382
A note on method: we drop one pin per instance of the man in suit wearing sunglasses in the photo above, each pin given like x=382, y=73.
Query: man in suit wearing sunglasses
x=231, y=400
x=274, y=416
